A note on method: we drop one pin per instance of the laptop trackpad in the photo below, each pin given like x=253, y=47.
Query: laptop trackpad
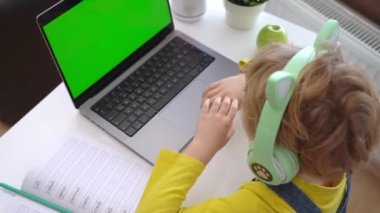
x=183, y=111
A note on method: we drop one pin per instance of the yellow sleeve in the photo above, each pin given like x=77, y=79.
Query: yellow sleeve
x=174, y=174
x=172, y=177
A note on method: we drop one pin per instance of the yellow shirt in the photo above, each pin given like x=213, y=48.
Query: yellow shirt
x=174, y=174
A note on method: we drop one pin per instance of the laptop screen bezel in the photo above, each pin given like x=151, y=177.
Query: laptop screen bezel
x=63, y=6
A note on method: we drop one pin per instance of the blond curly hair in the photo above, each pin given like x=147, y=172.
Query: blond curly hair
x=333, y=118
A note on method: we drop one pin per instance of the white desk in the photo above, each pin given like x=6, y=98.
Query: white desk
x=27, y=140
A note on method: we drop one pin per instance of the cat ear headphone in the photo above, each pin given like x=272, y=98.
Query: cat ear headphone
x=271, y=163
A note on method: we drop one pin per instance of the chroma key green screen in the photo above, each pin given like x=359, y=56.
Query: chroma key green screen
x=94, y=36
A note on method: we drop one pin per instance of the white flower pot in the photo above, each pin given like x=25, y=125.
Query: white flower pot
x=242, y=17
x=188, y=10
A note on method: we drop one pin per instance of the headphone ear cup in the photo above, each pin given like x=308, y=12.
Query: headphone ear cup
x=250, y=158
x=286, y=162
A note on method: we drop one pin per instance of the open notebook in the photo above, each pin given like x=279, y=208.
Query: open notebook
x=81, y=176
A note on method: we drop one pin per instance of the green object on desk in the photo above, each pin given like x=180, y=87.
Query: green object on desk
x=35, y=198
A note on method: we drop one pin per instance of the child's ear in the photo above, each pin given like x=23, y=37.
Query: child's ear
x=279, y=88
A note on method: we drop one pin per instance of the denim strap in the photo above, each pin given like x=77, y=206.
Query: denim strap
x=343, y=205
x=295, y=198
x=301, y=203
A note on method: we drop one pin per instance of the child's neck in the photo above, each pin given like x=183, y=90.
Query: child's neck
x=327, y=182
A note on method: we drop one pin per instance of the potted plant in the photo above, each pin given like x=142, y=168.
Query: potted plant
x=242, y=14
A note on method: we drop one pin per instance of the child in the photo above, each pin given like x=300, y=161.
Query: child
x=332, y=122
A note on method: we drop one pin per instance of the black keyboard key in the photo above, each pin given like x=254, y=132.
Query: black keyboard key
x=103, y=111
x=117, y=100
x=151, y=101
x=147, y=94
x=151, y=80
x=110, y=105
x=133, y=77
x=128, y=110
x=143, y=119
x=126, y=101
x=135, y=84
x=153, y=89
x=141, y=99
x=199, y=69
x=111, y=115
x=163, y=91
x=179, y=56
x=159, y=83
x=145, y=107
x=120, y=107
x=186, y=70
x=141, y=79
x=137, y=125
x=134, y=105
x=187, y=79
x=138, y=113
x=132, y=118
x=209, y=59
x=193, y=73
x=123, y=94
x=139, y=91
x=129, y=90
x=180, y=75
x=158, y=75
x=177, y=69
x=191, y=64
x=168, y=65
x=169, y=85
x=175, y=80
x=176, y=50
x=151, y=112
x=132, y=96
x=145, y=85
x=169, y=95
x=165, y=78
x=124, y=125
x=157, y=96
x=97, y=107
x=148, y=73
x=171, y=73
x=170, y=55
x=111, y=95
x=159, y=64
x=120, y=118
x=130, y=131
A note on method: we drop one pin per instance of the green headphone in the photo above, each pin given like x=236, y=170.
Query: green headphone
x=271, y=163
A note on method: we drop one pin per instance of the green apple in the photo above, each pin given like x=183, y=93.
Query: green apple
x=271, y=33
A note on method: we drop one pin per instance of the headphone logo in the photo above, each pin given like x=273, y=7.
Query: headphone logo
x=261, y=172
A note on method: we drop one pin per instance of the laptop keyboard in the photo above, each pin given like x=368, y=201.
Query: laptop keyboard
x=138, y=98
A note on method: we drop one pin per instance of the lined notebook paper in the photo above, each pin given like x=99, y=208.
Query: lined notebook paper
x=85, y=177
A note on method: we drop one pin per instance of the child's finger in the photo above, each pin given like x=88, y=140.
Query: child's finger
x=211, y=94
x=216, y=104
x=233, y=109
x=225, y=105
x=206, y=106
x=231, y=131
x=211, y=87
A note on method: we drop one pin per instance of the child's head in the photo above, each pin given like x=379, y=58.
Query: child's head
x=333, y=118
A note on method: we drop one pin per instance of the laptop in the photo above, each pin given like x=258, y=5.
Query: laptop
x=130, y=72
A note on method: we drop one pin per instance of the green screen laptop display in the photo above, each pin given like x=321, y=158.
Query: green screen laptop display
x=95, y=36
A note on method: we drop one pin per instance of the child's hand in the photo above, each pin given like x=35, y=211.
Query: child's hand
x=232, y=87
x=215, y=128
